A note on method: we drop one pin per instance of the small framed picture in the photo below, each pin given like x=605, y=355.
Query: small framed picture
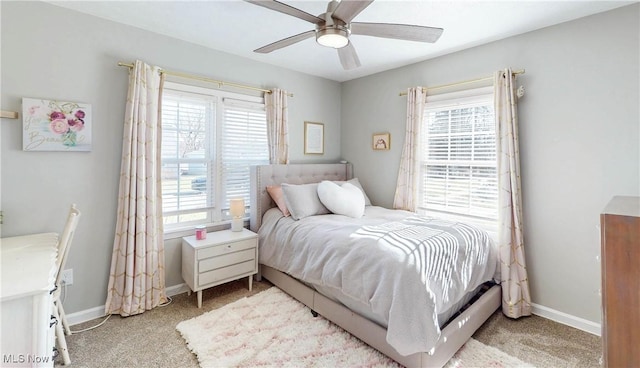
x=313, y=138
x=381, y=141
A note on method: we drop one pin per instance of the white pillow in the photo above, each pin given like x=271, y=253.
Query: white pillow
x=302, y=200
x=356, y=182
x=345, y=199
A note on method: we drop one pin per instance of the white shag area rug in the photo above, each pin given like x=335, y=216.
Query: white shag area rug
x=271, y=329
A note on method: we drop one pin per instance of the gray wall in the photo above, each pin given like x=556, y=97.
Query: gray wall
x=579, y=129
x=579, y=139
x=74, y=58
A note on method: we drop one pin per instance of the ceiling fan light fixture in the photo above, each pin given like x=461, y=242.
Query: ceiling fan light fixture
x=333, y=37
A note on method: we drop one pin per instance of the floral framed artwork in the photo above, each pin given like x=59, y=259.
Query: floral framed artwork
x=50, y=125
x=313, y=138
x=381, y=141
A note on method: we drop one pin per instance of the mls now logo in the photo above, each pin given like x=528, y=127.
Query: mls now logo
x=24, y=358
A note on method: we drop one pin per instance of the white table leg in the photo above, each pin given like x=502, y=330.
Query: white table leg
x=250, y=282
x=189, y=292
x=199, y=298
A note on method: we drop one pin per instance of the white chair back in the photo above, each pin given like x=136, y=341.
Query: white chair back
x=65, y=240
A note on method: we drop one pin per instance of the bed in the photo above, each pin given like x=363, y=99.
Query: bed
x=338, y=304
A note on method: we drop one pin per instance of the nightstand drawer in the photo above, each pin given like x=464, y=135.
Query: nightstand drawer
x=227, y=259
x=224, y=273
x=226, y=248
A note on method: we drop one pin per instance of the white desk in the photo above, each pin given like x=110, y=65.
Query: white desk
x=28, y=270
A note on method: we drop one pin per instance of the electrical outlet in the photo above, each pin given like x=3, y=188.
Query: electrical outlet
x=67, y=277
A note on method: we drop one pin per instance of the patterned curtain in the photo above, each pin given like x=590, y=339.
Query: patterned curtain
x=136, y=282
x=407, y=186
x=516, y=301
x=277, y=126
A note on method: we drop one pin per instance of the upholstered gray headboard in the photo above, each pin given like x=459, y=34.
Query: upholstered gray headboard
x=263, y=175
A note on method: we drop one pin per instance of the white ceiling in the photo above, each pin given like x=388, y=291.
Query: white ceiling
x=238, y=27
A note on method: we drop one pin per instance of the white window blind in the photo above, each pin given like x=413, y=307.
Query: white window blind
x=458, y=167
x=188, y=123
x=210, y=138
x=243, y=143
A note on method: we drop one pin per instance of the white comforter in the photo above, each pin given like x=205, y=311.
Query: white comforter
x=408, y=268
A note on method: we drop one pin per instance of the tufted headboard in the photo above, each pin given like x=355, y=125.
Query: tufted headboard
x=263, y=175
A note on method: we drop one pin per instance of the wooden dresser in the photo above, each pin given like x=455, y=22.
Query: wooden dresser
x=620, y=226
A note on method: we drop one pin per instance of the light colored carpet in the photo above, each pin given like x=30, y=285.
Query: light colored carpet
x=271, y=329
x=542, y=342
x=151, y=339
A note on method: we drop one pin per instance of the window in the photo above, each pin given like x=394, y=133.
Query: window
x=209, y=140
x=458, y=166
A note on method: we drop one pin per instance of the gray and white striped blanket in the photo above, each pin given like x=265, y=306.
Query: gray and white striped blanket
x=407, y=269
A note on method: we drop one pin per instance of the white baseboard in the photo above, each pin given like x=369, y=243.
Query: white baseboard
x=566, y=319
x=539, y=310
x=98, y=312
x=85, y=315
x=177, y=289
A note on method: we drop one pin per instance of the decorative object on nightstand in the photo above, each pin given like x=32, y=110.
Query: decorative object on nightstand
x=201, y=232
x=237, y=214
x=221, y=257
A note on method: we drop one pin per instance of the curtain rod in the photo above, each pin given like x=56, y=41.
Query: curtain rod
x=205, y=79
x=516, y=72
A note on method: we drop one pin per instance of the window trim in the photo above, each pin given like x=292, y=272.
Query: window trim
x=452, y=101
x=216, y=221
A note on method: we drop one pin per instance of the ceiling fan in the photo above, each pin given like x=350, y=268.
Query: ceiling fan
x=334, y=27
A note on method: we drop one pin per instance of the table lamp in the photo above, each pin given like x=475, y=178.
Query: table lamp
x=237, y=213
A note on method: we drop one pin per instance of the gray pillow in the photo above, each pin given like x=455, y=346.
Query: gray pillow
x=356, y=182
x=302, y=200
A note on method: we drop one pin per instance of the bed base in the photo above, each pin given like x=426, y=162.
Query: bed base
x=453, y=336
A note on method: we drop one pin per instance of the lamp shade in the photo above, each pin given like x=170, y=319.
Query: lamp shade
x=336, y=38
x=236, y=207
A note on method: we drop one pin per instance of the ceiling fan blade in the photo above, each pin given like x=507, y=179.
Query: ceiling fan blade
x=348, y=57
x=397, y=31
x=286, y=9
x=347, y=10
x=285, y=42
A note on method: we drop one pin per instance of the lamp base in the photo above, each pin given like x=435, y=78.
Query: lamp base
x=237, y=224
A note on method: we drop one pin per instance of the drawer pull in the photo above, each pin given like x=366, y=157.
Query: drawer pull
x=54, y=322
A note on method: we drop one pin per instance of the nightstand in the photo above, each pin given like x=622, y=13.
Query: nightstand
x=222, y=257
